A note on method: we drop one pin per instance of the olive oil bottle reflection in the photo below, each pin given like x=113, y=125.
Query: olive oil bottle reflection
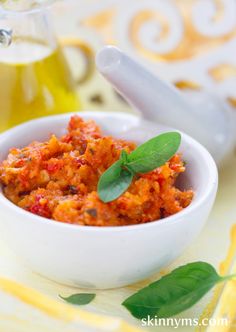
x=34, y=81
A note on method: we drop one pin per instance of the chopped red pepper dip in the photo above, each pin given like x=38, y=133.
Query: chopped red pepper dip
x=58, y=179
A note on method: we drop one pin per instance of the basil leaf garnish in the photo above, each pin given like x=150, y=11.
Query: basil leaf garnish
x=148, y=156
x=175, y=292
x=79, y=299
x=113, y=182
x=124, y=157
x=154, y=153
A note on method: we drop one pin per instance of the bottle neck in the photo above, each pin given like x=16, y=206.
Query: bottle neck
x=24, y=5
x=26, y=36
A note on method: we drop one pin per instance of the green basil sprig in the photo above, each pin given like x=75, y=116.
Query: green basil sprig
x=175, y=292
x=145, y=158
x=79, y=299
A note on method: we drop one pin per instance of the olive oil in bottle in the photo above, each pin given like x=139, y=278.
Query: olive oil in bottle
x=34, y=81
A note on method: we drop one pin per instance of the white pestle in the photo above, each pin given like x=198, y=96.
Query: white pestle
x=207, y=120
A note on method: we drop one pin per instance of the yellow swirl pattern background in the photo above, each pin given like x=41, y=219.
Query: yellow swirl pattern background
x=183, y=41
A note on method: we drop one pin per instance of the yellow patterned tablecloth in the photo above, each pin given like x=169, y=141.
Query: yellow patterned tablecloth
x=193, y=44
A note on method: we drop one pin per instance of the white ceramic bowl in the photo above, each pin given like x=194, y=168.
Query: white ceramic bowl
x=109, y=257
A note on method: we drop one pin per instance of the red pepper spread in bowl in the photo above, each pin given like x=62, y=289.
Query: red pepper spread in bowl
x=58, y=179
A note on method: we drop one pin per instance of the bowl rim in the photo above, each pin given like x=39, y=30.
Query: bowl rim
x=206, y=157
